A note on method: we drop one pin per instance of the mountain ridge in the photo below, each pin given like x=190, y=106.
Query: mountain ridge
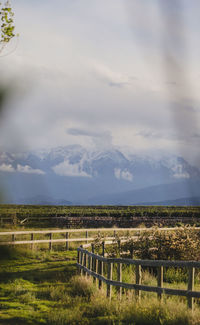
x=76, y=174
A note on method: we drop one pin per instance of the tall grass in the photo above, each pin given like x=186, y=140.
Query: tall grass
x=93, y=307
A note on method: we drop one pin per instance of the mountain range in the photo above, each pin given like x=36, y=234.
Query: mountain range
x=76, y=175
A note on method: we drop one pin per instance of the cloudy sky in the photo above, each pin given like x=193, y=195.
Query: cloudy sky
x=103, y=73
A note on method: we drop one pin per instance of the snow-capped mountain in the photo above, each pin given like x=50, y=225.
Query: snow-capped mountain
x=76, y=174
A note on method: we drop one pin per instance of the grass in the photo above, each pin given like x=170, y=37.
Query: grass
x=24, y=277
x=41, y=287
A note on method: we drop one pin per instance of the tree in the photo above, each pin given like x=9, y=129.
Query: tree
x=7, y=24
x=6, y=34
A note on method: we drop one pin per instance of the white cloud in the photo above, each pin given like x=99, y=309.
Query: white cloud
x=112, y=78
x=99, y=139
x=21, y=169
x=67, y=169
x=7, y=168
x=28, y=170
x=182, y=175
x=179, y=172
x=123, y=174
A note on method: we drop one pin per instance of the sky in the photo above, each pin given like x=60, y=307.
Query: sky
x=104, y=74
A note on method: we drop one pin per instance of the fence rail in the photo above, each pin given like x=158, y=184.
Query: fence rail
x=67, y=232
x=94, y=265
x=3, y=233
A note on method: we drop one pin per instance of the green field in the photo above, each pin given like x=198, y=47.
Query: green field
x=27, y=216
x=42, y=287
x=25, y=210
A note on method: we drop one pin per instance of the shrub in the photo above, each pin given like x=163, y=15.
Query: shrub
x=83, y=287
x=181, y=244
x=100, y=306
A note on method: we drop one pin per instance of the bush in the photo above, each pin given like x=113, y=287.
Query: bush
x=83, y=287
x=181, y=244
x=100, y=306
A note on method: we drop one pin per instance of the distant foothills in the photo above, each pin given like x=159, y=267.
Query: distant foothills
x=74, y=175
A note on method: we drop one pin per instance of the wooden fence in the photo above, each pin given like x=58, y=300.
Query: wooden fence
x=134, y=232
x=94, y=265
x=13, y=235
x=86, y=238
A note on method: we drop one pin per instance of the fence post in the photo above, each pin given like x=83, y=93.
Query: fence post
x=191, y=286
x=96, y=269
x=138, y=281
x=86, y=236
x=89, y=264
x=81, y=260
x=93, y=266
x=109, y=287
x=78, y=261
x=101, y=266
x=13, y=237
x=119, y=278
x=160, y=280
x=100, y=273
x=103, y=248
x=84, y=263
x=119, y=246
x=50, y=243
x=103, y=254
x=67, y=243
x=131, y=252
x=32, y=237
x=93, y=260
x=114, y=233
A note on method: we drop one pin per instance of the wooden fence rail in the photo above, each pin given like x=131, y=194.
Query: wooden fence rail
x=115, y=231
x=13, y=236
x=97, y=269
x=67, y=232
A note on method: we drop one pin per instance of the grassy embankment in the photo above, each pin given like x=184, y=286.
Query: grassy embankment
x=41, y=287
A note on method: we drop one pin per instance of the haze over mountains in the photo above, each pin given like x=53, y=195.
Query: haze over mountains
x=76, y=175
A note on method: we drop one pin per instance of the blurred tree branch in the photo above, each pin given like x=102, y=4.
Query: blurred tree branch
x=6, y=34
x=7, y=24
